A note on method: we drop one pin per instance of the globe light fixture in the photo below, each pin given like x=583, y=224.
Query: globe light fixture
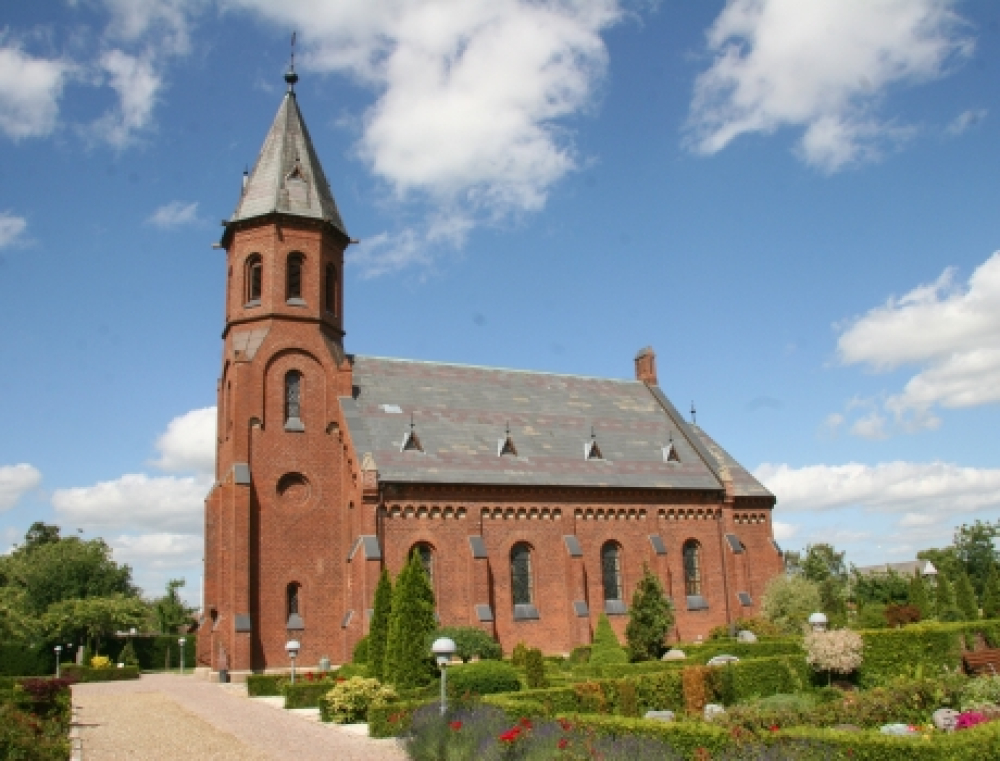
x=818, y=622
x=443, y=649
x=292, y=647
x=58, y=649
x=180, y=642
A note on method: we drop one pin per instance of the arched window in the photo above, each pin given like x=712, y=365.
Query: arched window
x=426, y=554
x=520, y=573
x=330, y=289
x=254, y=279
x=293, y=613
x=293, y=283
x=293, y=401
x=692, y=567
x=611, y=571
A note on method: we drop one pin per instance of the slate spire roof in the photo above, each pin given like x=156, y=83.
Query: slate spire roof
x=288, y=177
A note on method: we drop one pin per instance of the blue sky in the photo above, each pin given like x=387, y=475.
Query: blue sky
x=794, y=203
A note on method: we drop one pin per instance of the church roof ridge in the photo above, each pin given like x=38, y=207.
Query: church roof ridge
x=494, y=368
x=288, y=177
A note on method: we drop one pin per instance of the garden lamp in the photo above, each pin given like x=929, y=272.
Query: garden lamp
x=292, y=648
x=443, y=649
x=180, y=642
x=58, y=649
x=818, y=622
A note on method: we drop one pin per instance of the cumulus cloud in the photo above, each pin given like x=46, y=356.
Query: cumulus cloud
x=469, y=95
x=912, y=488
x=16, y=481
x=136, y=80
x=784, y=531
x=822, y=67
x=30, y=89
x=11, y=227
x=159, y=551
x=967, y=119
x=174, y=214
x=950, y=331
x=168, y=20
x=188, y=444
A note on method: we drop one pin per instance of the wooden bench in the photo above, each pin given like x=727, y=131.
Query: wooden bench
x=982, y=662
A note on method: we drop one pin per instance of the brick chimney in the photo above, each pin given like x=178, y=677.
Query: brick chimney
x=645, y=366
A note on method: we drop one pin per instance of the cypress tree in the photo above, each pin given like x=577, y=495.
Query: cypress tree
x=917, y=596
x=649, y=620
x=379, y=632
x=408, y=661
x=606, y=648
x=965, y=597
x=947, y=610
x=991, y=595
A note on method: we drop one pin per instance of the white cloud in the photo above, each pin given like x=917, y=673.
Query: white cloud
x=468, y=95
x=11, y=227
x=967, y=119
x=784, y=531
x=931, y=488
x=159, y=551
x=188, y=444
x=951, y=332
x=16, y=481
x=30, y=89
x=137, y=82
x=136, y=502
x=174, y=214
x=821, y=66
x=168, y=21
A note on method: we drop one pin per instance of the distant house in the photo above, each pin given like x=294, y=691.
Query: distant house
x=906, y=568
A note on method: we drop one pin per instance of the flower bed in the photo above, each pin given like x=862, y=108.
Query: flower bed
x=34, y=719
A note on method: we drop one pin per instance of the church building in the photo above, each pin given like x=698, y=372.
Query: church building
x=534, y=499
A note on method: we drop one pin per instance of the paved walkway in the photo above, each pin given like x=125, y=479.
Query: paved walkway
x=165, y=716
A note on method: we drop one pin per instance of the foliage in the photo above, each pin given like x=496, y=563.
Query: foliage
x=170, y=613
x=944, y=560
x=378, y=634
x=127, y=655
x=650, y=619
x=918, y=598
x=764, y=649
x=965, y=597
x=26, y=660
x=93, y=617
x=580, y=654
x=789, y=601
x=408, y=662
x=308, y=690
x=471, y=642
x=153, y=652
x=887, y=588
x=350, y=700
x=353, y=669
x=519, y=654
x=823, y=562
x=947, y=609
x=265, y=685
x=974, y=548
x=979, y=692
x=839, y=651
x=606, y=648
x=27, y=737
x=483, y=678
x=872, y=616
x=901, y=615
x=360, y=652
x=90, y=674
x=534, y=670
x=759, y=626
x=991, y=595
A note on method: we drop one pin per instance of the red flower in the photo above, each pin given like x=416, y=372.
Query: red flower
x=341, y=679
x=566, y=726
x=526, y=723
x=309, y=676
x=774, y=727
x=510, y=736
x=563, y=744
x=455, y=725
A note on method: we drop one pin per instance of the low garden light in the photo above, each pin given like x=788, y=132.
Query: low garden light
x=443, y=649
x=180, y=642
x=58, y=649
x=818, y=622
x=292, y=648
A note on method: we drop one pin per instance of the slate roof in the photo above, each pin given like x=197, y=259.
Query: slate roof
x=288, y=176
x=460, y=414
x=743, y=483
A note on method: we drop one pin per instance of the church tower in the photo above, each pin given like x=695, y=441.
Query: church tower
x=278, y=515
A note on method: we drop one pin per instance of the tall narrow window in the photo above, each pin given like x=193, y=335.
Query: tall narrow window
x=611, y=571
x=520, y=571
x=426, y=554
x=293, y=401
x=293, y=615
x=692, y=567
x=254, y=279
x=293, y=599
x=293, y=286
x=330, y=289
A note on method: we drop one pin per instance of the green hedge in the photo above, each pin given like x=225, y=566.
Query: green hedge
x=981, y=743
x=765, y=648
x=151, y=652
x=265, y=685
x=21, y=660
x=306, y=694
x=764, y=677
x=688, y=737
x=621, y=670
x=87, y=674
x=394, y=719
x=482, y=678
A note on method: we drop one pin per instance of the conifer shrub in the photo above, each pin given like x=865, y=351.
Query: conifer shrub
x=947, y=610
x=650, y=619
x=991, y=595
x=408, y=661
x=482, y=678
x=360, y=652
x=965, y=597
x=606, y=648
x=534, y=670
x=378, y=633
x=520, y=652
x=917, y=596
x=580, y=655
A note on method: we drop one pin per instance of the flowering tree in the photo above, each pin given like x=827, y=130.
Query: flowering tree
x=839, y=651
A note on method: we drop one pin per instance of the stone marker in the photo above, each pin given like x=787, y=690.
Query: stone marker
x=722, y=660
x=659, y=715
x=944, y=719
x=746, y=636
x=712, y=710
x=673, y=655
x=897, y=730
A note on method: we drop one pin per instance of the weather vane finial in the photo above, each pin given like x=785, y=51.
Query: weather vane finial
x=290, y=76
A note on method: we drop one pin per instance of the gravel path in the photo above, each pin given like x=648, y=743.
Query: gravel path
x=163, y=716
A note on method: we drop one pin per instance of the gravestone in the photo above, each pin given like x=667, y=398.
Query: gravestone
x=673, y=655
x=712, y=710
x=944, y=719
x=746, y=636
x=659, y=715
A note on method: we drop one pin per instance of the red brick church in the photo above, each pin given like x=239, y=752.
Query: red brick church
x=534, y=498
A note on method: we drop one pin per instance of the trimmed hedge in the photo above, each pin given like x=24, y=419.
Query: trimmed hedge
x=306, y=694
x=765, y=648
x=87, y=674
x=482, y=678
x=151, y=652
x=265, y=685
x=764, y=677
x=981, y=743
x=20, y=660
x=687, y=737
x=394, y=719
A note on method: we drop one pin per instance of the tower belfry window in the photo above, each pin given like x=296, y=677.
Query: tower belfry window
x=505, y=446
x=293, y=283
x=411, y=442
x=254, y=280
x=590, y=449
x=293, y=401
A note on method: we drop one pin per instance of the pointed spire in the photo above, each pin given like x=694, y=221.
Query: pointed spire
x=288, y=177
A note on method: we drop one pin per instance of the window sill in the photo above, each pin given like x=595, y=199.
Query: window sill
x=524, y=612
x=615, y=608
x=296, y=302
x=254, y=303
x=294, y=425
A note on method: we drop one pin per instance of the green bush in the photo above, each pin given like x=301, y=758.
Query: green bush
x=482, y=678
x=518, y=655
x=691, y=739
x=580, y=654
x=350, y=701
x=157, y=653
x=743, y=650
x=534, y=670
x=265, y=685
x=24, y=736
x=984, y=690
x=606, y=648
x=470, y=643
x=24, y=660
x=305, y=694
x=391, y=719
x=360, y=652
x=87, y=674
x=762, y=677
x=872, y=616
x=353, y=669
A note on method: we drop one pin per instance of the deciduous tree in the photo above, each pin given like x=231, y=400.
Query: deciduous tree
x=788, y=602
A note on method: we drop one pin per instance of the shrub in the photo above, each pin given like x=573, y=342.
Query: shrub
x=25, y=736
x=360, y=652
x=759, y=626
x=391, y=719
x=917, y=596
x=470, y=643
x=839, y=651
x=947, y=610
x=127, y=655
x=534, y=670
x=901, y=615
x=107, y=674
x=580, y=654
x=100, y=662
x=25, y=660
x=991, y=594
x=606, y=648
x=482, y=678
x=965, y=597
x=350, y=700
x=306, y=693
x=408, y=662
x=379, y=632
x=788, y=601
x=650, y=619
x=517, y=657
x=353, y=669
x=979, y=692
x=265, y=685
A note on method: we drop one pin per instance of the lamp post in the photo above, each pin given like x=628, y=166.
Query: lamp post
x=818, y=622
x=181, y=642
x=58, y=649
x=292, y=648
x=443, y=649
